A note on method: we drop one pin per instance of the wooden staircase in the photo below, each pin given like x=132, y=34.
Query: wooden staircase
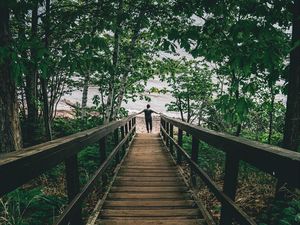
x=148, y=189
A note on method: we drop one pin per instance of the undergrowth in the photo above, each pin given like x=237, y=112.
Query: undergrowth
x=255, y=193
x=43, y=199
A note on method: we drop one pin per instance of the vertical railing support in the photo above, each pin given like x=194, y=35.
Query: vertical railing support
x=134, y=123
x=116, y=140
x=73, y=186
x=230, y=185
x=160, y=126
x=122, y=137
x=194, y=157
x=178, y=152
x=102, y=151
x=168, y=132
x=170, y=142
x=164, y=127
x=126, y=132
x=130, y=126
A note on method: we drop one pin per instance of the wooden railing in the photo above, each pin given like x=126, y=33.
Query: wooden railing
x=17, y=168
x=280, y=163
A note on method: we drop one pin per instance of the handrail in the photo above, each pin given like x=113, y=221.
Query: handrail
x=78, y=199
x=274, y=160
x=277, y=161
x=242, y=216
x=19, y=167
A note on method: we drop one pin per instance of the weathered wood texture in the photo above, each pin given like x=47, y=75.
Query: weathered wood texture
x=148, y=189
x=239, y=215
x=265, y=157
x=17, y=168
x=276, y=161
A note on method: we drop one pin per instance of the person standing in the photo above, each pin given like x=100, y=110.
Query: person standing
x=148, y=117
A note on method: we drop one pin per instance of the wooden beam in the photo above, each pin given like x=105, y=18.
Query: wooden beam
x=274, y=160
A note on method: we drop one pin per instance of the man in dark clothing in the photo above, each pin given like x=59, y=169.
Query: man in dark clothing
x=148, y=117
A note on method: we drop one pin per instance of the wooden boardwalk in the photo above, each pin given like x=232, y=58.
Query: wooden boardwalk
x=148, y=189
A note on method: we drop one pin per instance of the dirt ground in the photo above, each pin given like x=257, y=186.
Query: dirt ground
x=141, y=126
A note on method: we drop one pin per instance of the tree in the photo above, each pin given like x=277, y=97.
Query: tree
x=292, y=120
x=10, y=134
x=190, y=83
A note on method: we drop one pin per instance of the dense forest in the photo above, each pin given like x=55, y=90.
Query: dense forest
x=231, y=66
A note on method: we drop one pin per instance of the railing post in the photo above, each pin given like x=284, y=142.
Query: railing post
x=116, y=140
x=178, y=152
x=160, y=125
x=73, y=186
x=126, y=132
x=164, y=127
x=171, y=135
x=230, y=185
x=168, y=132
x=102, y=150
x=134, y=123
x=194, y=157
x=122, y=137
x=130, y=126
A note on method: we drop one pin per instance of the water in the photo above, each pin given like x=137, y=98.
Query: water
x=158, y=101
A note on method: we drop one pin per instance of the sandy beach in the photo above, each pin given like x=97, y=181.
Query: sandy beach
x=141, y=126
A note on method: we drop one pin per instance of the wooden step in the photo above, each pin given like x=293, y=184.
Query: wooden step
x=150, y=167
x=149, y=189
x=172, y=195
x=174, y=203
x=147, y=179
x=148, y=183
x=187, y=213
x=141, y=171
x=166, y=221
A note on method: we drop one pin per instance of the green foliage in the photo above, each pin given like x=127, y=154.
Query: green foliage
x=282, y=213
x=190, y=84
x=89, y=161
x=29, y=206
x=67, y=126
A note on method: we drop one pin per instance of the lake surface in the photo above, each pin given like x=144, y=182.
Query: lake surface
x=158, y=101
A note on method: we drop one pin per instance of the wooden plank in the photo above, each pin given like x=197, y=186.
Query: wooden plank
x=125, y=195
x=71, y=208
x=147, y=174
x=148, y=183
x=151, y=213
x=149, y=203
x=239, y=214
x=126, y=221
x=194, y=158
x=149, y=189
x=148, y=179
x=18, y=167
x=178, y=153
x=149, y=170
x=149, y=167
x=255, y=153
x=230, y=186
x=73, y=187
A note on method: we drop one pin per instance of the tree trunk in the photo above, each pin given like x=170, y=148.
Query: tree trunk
x=188, y=110
x=85, y=95
x=110, y=99
x=31, y=83
x=44, y=80
x=292, y=118
x=271, y=115
x=239, y=125
x=10, y=132
x=129, y=58
x=291, y=137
